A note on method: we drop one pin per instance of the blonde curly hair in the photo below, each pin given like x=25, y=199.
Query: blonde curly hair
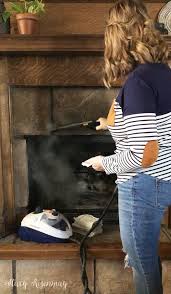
x=130, y=39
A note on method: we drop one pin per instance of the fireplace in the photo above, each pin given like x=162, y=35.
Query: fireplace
x=46, y=82
x=47, y=166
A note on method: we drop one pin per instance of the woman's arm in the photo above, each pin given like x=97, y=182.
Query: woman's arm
x=143, y=145
x=139, y=112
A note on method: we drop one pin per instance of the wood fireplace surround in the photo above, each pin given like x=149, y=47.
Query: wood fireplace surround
x=41, y=61
x=36, y=85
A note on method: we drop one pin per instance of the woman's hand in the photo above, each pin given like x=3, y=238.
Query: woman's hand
x=103, y=124
x=95, y=163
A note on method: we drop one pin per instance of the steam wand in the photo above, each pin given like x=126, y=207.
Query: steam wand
x=91, y=124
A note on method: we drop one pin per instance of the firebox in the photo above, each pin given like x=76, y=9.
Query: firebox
x=47, y=166
x=58, y=180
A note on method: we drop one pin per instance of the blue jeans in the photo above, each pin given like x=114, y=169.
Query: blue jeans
x=142, y=202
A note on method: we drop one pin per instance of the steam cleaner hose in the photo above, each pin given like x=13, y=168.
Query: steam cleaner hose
x=83, y=247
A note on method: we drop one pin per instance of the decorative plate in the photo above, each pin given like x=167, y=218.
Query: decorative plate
x=164, y=16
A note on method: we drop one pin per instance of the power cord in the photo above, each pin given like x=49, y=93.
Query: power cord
x=83, y=245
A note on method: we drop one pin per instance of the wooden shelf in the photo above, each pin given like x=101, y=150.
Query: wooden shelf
x=19, y=44
x=40, y=44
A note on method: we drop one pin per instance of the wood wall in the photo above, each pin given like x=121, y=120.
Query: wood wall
x=77, y=18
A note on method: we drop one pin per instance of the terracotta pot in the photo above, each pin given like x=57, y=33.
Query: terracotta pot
x=27, y=23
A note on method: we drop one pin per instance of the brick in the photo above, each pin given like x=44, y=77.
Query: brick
x=64, y=276
x=111, y=277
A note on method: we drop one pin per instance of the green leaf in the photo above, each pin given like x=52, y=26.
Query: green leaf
x=5, y=15
x=30, y=9
x=35, y=6
x=17, y=7
x=30, y=6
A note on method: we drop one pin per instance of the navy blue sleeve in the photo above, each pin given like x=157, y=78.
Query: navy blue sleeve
x=138, y=97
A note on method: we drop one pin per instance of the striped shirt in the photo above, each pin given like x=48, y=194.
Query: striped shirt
x=142, y=114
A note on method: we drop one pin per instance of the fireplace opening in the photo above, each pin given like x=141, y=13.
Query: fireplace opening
x=58, y=180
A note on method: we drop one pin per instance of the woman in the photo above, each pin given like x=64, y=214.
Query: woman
x=140, y=123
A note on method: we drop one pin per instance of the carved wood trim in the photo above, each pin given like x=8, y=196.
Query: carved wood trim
x=56, y=71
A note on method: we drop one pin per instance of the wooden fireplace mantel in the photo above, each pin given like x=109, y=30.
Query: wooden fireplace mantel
x=61, y=60
x=42, y=44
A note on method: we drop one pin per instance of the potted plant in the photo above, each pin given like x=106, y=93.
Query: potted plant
x=27, y=15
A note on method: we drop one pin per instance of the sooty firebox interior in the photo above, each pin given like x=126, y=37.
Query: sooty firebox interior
x=58, y=180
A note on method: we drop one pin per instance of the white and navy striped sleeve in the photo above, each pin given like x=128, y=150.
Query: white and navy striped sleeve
x=139, y=115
